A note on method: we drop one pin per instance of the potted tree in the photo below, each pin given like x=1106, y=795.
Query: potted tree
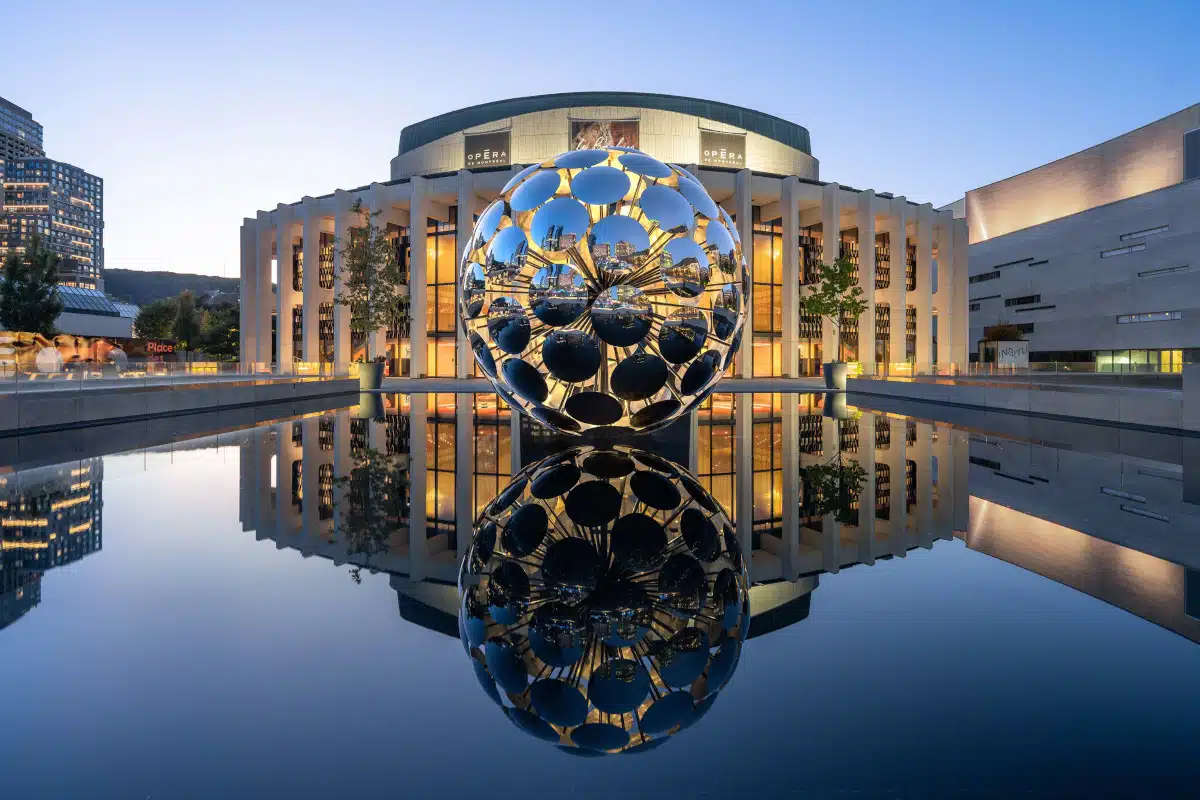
x=835, y=296
x=370, y=285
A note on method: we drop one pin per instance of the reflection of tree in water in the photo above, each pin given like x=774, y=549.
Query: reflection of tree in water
x=375, y=504
x=833, y=488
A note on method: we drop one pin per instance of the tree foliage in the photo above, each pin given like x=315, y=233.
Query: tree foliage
x=156, y=320
x=187, y=320
x=833, y=488
x=29, y=298
x=1002, y=333
x=220, y=332
x=836, y=294
x=375, y=503
x=370, y=276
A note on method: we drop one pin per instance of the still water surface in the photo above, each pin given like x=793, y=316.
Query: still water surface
x=1018, y=613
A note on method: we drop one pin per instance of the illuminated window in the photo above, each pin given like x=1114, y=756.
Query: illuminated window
x=441, y=315
x=767, y=286
x=1149, y=316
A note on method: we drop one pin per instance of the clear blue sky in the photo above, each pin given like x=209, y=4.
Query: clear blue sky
x=197, y=115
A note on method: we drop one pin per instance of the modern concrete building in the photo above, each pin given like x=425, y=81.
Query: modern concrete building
x=1096, y=257
x=760, y=168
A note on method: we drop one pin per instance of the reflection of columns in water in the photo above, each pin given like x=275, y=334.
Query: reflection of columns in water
x=418, y=483
x=464, y=470
x=287, y=465
x=922, y=459
x=866, y=498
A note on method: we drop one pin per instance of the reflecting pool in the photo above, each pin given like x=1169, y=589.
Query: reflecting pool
x=780, y=595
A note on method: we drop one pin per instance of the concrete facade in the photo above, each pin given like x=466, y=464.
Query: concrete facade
x=776, y=198
x=1095, y=257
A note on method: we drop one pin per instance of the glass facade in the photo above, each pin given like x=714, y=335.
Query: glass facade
x=1139, y=361
x=65, y=207
x=441, y=313
x=20, y=133
x=767, y=286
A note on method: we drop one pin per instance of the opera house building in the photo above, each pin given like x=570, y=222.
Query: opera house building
x=760, y=169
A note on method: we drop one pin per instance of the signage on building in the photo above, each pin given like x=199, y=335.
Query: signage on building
x=589, y=133
x=722, y=149
x=1012, y=354
x=486, y=149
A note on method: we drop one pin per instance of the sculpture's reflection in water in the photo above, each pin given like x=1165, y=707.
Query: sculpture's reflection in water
x=604, y=599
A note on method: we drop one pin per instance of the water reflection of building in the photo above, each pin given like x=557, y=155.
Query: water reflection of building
x=1115, y=527
x=470, y=445
x=49, y=517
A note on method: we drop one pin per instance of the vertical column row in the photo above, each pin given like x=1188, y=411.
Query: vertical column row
x=897, y=230
x=831, y=237
x=866, y=279
x=285, y=295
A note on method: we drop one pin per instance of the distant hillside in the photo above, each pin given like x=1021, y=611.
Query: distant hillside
x=139, y=287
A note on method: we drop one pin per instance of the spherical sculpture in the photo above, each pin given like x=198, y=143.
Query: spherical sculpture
x=604, y=600
x=603, y=287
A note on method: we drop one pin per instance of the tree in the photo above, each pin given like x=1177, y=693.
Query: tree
x=187, y=320
x=156, y=320
x=833, y=488
x=29, y=298
x=836, y=296
x=219, y=332
x=1002, y=333
x=370, y=277
x=375, y=504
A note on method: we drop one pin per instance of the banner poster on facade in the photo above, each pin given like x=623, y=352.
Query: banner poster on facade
x=1012, y=354
x=589, y=133
x=722, y=149
x=486, y=149
x=32, y=353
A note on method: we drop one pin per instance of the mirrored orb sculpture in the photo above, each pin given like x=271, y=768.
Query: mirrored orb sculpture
x=604, y=287
x=604, y=600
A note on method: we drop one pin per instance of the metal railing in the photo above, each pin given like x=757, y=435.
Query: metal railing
x=85, y=376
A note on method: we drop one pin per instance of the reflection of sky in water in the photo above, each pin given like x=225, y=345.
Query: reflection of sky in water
x=188, y=658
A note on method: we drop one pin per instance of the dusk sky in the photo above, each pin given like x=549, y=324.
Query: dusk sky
x=197, y=115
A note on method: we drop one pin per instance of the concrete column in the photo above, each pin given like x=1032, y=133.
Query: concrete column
x=418, y=488
x=464, y=470
x=744, y=212
x=831, y=529
x=943, y=514
x=923, y=457
x=789, y=206
x=341, y=314
x=248, y=302
x=418, y=277
x=343, y=463
x=287, y=517
x=943, y=298
x=866, y=279
x=866, y=497
x=831, y=236
x=743, y=479
x=378, y=202
x=310, y=447
x=897, y=227
x=264, y=444
x=465, y=361
x=264, y=300
x=285, y=295
x=790, y=533
x=248, y=480
x=960, y=318
x=311, y=244
x=897, y=528
x=923, y=296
